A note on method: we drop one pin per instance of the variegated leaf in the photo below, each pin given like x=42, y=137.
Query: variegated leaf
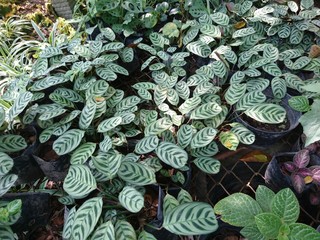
x=235, y=92
x=208, y=164
x=82, y=153
x=147, y=144
x=229, y=140
x=184, y=135
x=68, y=141
x=203, y=137
x=172, y=154
x=131, y=199
x=267, y=113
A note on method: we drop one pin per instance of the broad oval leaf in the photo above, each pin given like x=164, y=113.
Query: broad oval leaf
x=208, y=151
x=147, y=144
x=203, y=137
x=6, y=183
x=12, y=143
x=86, y=218
x=108, y=164
x=104, y=231
x=109, y=124
x=244, y=135
x=124, y=231
x=184, y=135
x=191, y=219
x=250, y=99
x=208, y=164
x=229, y=140
x=267, y=113
x=67, y=227
x=207, y=110
x=6, y=163
x=235, y=92
x=158, y=126
x=79, y=181
x=131, y=199
x=19, y=104
x=68, y=141
x=299, y=103
x=199, y=48
x=172, y=154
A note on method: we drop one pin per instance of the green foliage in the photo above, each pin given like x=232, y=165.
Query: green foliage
x=270, y=216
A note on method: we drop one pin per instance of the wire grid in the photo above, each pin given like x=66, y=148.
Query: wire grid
x=238, y=176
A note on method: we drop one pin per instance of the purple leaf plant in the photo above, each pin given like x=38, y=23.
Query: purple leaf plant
x=304, y=169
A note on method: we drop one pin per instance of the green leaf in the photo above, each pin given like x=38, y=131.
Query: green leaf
x=106, y=144
x=6, y=163
x=66, y=200
x=302, y=231
x=272, y=69
x=184, y=197
x=306, y=4
x=279, y=88
x=208, y=151
x=67, y=227
x=136, y=173
x=189, y=104
x=87, y=114
x=207, y=110
x=203, y=137
x=184, y=135
x=6, y=183
x=106, y=73
x=20, y=104
x=169, y=203
x=109, y=124
x=147, y=48
x=243, y=32
x=6, y=233
x=229, y=140
x=68, y=141
x=207, y=164
x=296, y=36
x=250, y=99
x=267, y=113
x=190, y=35
x=86, y=218
x=107, y=163
x=244, y=135
x=158, y=126
x=285, y=205
x=264, y=197
x=124, y=231
x=172, y=154
x=196, y=79
x=238, y=209
x=237, y=77
x=220, y=18
x=219, y=69
x=235, y=92
x=268, y=224
x=301, y=62
x=299, y=103
x=79, y=181
x=104, y=231
x=199, y=48
x=191, y=219
x=12, y=143
x=210, y=30
x=147, y=144
x=146, y=236
x=270, y=52
x=128, y=103
x=252, y=232
x=49, y=52
x=131, y=199
x=69, y=94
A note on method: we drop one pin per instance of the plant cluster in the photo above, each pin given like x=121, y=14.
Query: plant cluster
x=199, y=62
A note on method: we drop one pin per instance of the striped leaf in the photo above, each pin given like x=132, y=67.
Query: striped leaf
x=144, y=85
x=157, y=39
x=219, y=68
x=87, y=114
x=106, y=73
x=169, y=204
x=203, y=88
x=252, y=72
x=68, y=141
x=196, y=79
x=46, y=134
x=68, y=118
x=296, y=36
x=243, y=32
x=270, y=52
x=6, y=233
x=206, y=110
x=250, y=99
x=235, y=92
x=267, y=113
x=147, y=62
x=184, y=197
x=208, y=164
x=231, y=56
x=199, y=48
x=2, y=116
x=66, y=200
x=159, y=95
x=104, y=231
x=272, y=69
x=112, y=46
x=20, y=104
x=257, y=84
x=220, y=18
x=12, y=143
x=144, y=94
x=67, y=227
x=158, y=126
x=203, y=137
x=136, y=173
x=293, y=81
x=279, y=87
x=124, y=231
x=259, y=63
x=107, y=163
x=61, y=129
x=61, y=100
x=86, y=218
x=290, y=54
x=143, y=235
x=47, y=82
x=28, y=117
x=6, y=183
x=172, y=154
x=6, y=163
x=172, y=97
x=208, y=151
x=191, y=219
x=69, y=94
x=95, y=48
x=211, y=30
x=49, y=115
x=147, y=144
x=79, y=181
x=39, y=68
x=301, y=62
x=190, y=35
x=244, y=135
x=97, y=89
x=131, y=199
x=229, y=140
x=109, y=124
x=299, y=103
x=147, y=48
x=127, y=103
x=184, y=135
x=237, y=77
x=49, y=52
x=284, y=31
x=189, y=104
x=106, y=144
x=82, y=153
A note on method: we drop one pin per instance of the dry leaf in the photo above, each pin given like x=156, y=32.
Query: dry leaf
x=256, y=156
x=314, y=51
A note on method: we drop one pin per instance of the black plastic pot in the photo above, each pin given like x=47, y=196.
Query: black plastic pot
x=53, y=169
x=266, y=138
x=35, y=210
